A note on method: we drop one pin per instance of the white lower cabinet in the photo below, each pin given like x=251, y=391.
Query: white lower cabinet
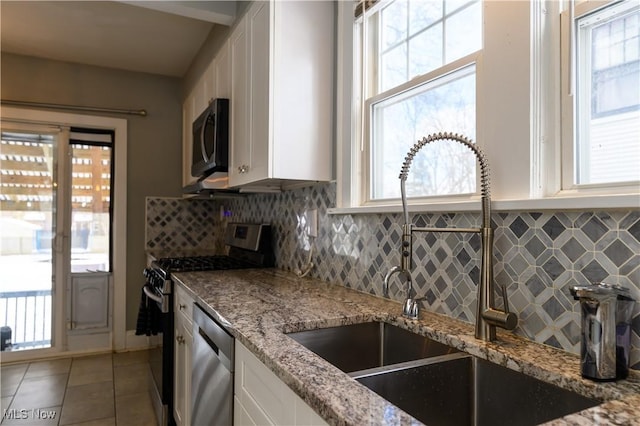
x=261, y=398
x=183, y=323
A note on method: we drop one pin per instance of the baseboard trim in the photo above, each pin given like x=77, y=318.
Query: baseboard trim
x=134, y=342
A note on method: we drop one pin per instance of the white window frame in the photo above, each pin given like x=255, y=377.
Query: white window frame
x=567, y=185
x=362, y=155
x=519, y=125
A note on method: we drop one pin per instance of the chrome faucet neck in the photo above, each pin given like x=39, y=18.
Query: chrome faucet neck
x=487, y=316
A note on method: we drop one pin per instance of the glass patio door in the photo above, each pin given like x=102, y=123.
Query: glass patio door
x=28, y=225
x=55, y=235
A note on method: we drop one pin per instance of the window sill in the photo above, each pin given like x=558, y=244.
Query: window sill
x=595, y=202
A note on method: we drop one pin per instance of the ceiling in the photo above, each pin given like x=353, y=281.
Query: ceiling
x=158, y=37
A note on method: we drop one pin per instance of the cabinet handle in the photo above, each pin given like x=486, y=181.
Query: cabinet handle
x=181, y=306
x=243, y=169
x=180, y=339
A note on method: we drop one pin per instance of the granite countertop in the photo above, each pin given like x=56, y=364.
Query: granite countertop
x=259, y=305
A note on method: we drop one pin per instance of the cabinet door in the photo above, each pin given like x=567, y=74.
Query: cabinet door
x=200, y=100
x=183, y=306
x=262, y=398
x=222, y=72
x=210, y=83
x=182, y=374
x=250, y=85
x=260, y=136
x=239, y=143
x=188, y=345
x=302, y=90
x=179, y=386
x=187, y=140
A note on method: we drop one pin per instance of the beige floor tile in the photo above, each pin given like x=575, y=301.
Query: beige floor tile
x=38, y=392
x=130, y=379
x=78, y=379
x=132, y=357
x=14, y=370
x=83, y=396
x=89, y=392
x=92, y=363
x=102, y=422
x=33, y=417
x=11, y=376
x=91, y=369
x=48, y=368
x=87, y=410
x=135, y=410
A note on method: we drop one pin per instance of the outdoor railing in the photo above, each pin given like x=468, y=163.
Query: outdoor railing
x=28, y=314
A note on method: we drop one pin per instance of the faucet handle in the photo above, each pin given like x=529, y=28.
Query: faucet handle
x=505, y=299
x=411, y=307
x=505, y=319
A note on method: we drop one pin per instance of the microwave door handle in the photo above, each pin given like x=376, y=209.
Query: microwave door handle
x=205, y=154
x=215, y=144
x=203, y=148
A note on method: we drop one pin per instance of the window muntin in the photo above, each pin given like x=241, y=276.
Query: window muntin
x=607, y=119
x=405, y=42
x=419, y=37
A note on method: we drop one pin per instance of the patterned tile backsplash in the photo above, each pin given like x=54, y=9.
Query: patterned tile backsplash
x=177, y=224
x=537, y=256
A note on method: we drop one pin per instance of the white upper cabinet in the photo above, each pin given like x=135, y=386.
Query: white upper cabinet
x=239, y=149
x=215, y=82
x=188, y=115
x=281, y=93
x=222, y=73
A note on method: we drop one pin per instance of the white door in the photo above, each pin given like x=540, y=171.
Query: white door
x=28, y=225
x=56, y=220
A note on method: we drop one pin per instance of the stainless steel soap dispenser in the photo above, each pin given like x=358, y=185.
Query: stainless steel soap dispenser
x=606, y=330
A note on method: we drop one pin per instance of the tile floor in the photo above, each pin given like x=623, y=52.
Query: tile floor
x=99, y=390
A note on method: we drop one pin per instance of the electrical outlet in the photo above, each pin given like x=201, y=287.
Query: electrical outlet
x=312, y=222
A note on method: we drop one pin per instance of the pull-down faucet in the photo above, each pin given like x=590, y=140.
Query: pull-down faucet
x=487, y=316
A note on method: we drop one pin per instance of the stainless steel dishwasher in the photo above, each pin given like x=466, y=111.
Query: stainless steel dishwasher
x=212, y=372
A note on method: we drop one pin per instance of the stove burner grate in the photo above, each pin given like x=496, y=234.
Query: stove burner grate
x=202, y=263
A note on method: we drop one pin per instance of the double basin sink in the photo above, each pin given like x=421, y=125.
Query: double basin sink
x=435, y=383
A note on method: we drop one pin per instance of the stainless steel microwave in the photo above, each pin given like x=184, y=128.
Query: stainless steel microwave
x=211, y=140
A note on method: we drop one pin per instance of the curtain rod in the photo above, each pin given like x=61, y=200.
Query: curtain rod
x=140, y=112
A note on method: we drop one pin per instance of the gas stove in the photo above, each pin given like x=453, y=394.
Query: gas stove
x=249, y=246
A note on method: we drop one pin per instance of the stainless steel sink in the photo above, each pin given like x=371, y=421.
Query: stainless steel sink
x=368, y=345
x=465, y=390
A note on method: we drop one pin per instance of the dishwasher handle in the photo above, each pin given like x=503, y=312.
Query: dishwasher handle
x=208, y=341
x=215, y=335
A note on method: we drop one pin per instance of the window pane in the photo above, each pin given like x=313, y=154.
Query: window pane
x=453, y=5
x=463, y=32
x=394, y=67
x=608, y=105
x=442, y=168
x=27, y=228
x=90, y=210
x=425, y=51
x=394, y=23
x=423, y=14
